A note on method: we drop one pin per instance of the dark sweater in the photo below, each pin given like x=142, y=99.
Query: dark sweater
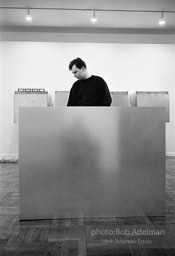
x=92, y=91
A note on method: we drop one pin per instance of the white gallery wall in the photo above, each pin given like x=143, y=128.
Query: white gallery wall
x=125, y=67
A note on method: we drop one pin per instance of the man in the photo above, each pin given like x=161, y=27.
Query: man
x=89, y=90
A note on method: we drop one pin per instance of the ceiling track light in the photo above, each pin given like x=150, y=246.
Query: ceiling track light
x=162, y=20
x=94, y=18
x=28, y=17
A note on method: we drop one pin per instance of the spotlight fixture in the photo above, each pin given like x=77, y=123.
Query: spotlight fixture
x=94, y=18
x=28, y=17
x=162, y=21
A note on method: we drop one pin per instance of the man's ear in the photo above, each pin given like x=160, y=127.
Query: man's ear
x=83, y=68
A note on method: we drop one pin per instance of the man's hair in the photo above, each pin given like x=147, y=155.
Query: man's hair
x=78, y=62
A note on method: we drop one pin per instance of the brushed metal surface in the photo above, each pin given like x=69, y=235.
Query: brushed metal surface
x=29, y=99
x=153, y=99
x=85, y=162
x=120, y=99
x=61, y=98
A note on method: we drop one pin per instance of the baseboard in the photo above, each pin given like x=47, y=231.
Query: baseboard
x=9, y=158
x=170, y=154
x=13, y=158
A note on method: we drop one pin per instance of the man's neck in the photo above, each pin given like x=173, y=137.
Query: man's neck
x=87, y=75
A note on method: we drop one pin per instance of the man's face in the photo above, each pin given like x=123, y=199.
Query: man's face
x=79, y=73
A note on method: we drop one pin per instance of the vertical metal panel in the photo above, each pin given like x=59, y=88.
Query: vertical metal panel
x=120, y=99
x=86, y=162
x=153, y=99
x=61, y=98
x=29, y=99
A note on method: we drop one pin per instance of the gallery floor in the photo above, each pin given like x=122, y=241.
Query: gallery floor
x=80, y=236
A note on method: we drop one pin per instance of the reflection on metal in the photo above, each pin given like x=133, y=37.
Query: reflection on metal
x=29, y=98
x=151, y=99
x=87, y=162
x=120, y=99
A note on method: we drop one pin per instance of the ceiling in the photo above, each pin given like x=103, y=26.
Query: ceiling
x=71, y=20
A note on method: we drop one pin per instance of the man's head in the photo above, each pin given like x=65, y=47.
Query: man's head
x=78, y=68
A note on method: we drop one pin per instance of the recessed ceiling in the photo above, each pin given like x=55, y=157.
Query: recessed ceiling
x=73, y=19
